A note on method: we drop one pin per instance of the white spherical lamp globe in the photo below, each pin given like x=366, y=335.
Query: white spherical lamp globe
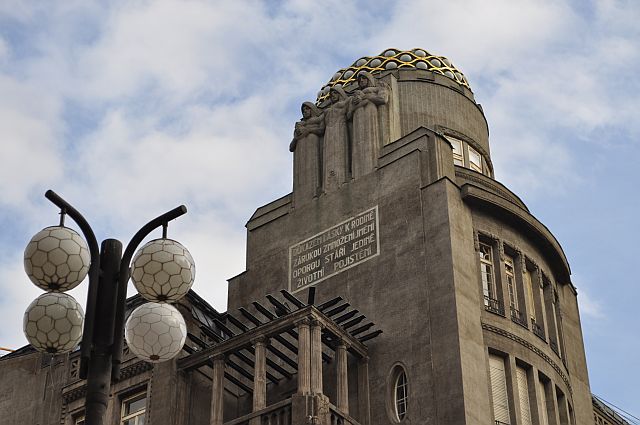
x=57, y=259
x=53, y=323
x=163, y=271
x=155, y=332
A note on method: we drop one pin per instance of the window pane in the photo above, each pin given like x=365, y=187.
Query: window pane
x=458, y=159
x=486, y=272
x=136, y=405
x=511, y=282
x=475, y=161
x=401, y=395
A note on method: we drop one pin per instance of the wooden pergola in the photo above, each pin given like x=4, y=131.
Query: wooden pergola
x=290, y=338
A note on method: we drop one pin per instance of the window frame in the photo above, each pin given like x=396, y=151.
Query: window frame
x=488, y=284
x=398, y=393
x=128, y=400
x=512, y=288
x=401, y=395
x=472, y=165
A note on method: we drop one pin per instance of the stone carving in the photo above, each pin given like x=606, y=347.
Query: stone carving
x=336, y=140
x=307, y=153
x=363, y=109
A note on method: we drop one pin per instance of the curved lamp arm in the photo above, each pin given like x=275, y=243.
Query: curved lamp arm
x=124, y=275
x=94, y=272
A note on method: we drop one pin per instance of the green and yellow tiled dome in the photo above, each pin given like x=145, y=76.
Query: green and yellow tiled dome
x=392, y=59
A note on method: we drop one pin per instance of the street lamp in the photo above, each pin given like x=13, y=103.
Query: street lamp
x=58, y=259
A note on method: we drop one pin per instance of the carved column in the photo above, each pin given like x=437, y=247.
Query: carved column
x=260, y=374
x=363, y=391
x=342, y=402
x=316, y=357
x=304, y=358
x=217, y=391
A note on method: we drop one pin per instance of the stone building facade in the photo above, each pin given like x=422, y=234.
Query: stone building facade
x=398, y=283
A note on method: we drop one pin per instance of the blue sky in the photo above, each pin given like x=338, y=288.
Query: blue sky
x=129, y=109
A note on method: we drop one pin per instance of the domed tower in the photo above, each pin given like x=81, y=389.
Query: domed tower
x=395, y=209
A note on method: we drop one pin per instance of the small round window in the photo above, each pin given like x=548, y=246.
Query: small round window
x=399, y=393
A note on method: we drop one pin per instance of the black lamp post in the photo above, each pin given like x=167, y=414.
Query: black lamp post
x=109, y=272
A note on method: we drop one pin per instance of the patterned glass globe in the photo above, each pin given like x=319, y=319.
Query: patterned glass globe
x=163, y=271
x=57, y=259
x=155, y=332
x=53, y=323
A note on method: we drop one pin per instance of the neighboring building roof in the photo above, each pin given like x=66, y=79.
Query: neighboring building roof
x=601, y=408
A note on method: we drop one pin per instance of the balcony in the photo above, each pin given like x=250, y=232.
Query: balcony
x=295, y=338
x=276, y=414
x=554, y=345
x=494, y=305
x=538, y=330
x=518, y=317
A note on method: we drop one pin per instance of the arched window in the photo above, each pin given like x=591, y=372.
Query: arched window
x=401, y=395
x=397, y=394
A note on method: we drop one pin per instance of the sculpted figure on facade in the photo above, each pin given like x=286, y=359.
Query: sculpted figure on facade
x=307, y=151
x=366, y=139
x=336, y=140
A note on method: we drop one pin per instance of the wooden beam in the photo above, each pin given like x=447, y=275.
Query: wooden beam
x=251, y=363
x=269, y=329
x=242, y=371
x=262, y=309
x=329, y=303
x=336, y=310
x=292, y=299
x=369, y=336
x=280, y=307
x=282, y=356
x=250, y=316
x=224, y=328
x=345, y=316
x=353, y=322
x=211, y=334
x=237, y=383
x=237, y=323
x=361, y=329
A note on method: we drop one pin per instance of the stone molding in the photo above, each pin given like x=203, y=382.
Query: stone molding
x=533, y=348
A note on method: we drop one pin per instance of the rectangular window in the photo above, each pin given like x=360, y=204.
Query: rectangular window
x=475, y=160
x=134, y=410
x=531, y=306
x=523, y=392
x=511, y=282
x=498, y=379
x=486, y=273
x=458, y=158
x=544, y=415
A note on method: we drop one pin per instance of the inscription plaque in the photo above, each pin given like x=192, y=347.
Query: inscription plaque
x=334, y=250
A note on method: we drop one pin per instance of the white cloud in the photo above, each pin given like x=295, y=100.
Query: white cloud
x=589, y=306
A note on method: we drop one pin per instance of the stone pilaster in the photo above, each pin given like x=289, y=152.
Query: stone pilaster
x=364, y=408
x=316, y=357
x=217, y=391
x=304, y=357
x=342, y=402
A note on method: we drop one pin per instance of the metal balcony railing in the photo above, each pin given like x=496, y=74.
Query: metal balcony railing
x=538, y=330
x=518, y=317
x=554, y=345
x=493, y=305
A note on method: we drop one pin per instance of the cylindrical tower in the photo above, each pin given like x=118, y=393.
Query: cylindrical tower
x=473, y=293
